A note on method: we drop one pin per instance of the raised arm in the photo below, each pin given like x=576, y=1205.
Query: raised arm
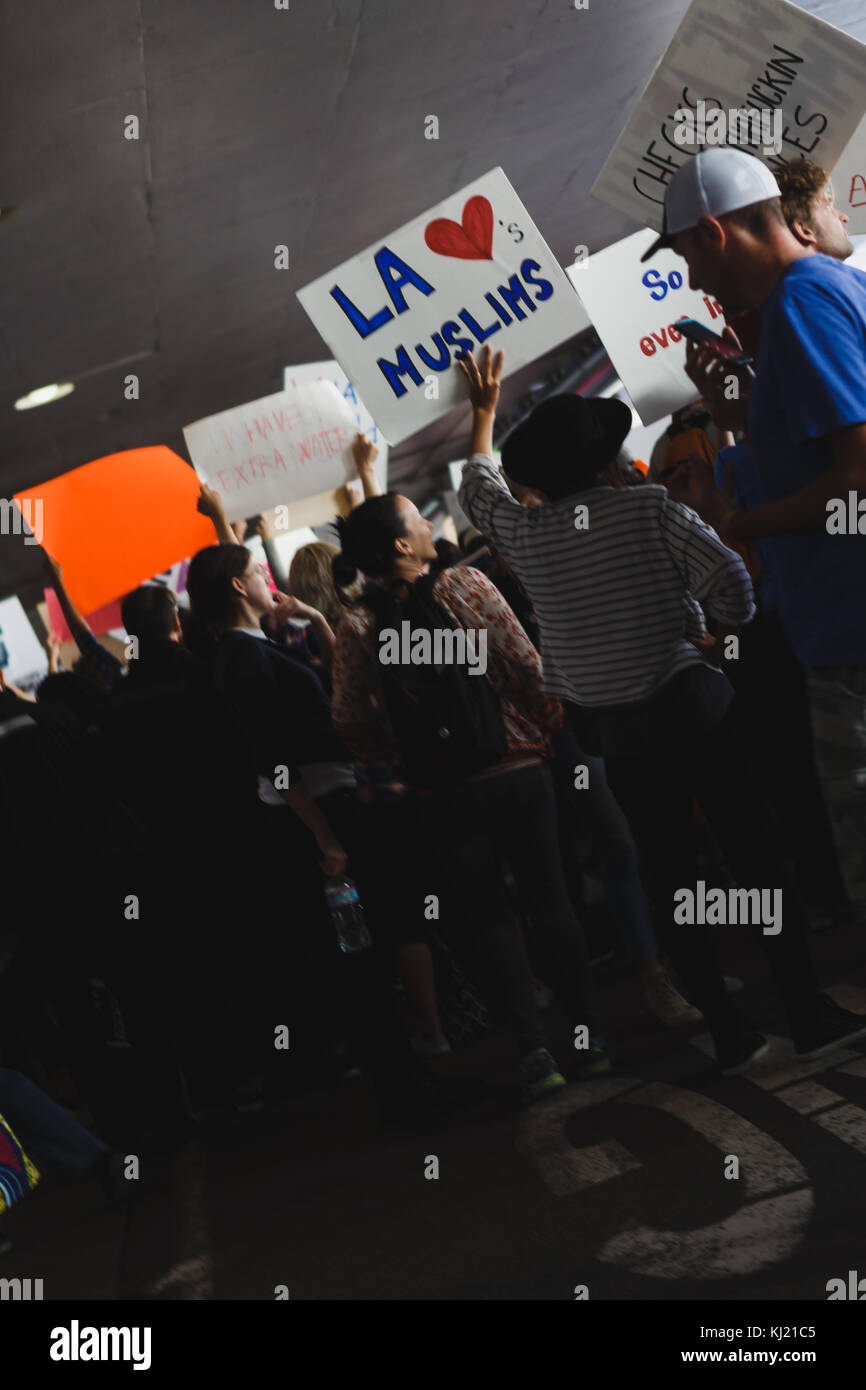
x=263, y=528
x=291, y=607
x=365, y=454
x=211, y=505
x=78, y=625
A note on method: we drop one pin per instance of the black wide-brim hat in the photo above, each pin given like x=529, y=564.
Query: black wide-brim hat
x=565, y=442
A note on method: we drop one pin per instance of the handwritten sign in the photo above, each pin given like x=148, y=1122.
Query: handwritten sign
x=474, y=269
x=766, y=54
x=118, y=520
x=849, y=181
x=364, y=422
x=634, y=309
x=275, y=450
x=22, y=657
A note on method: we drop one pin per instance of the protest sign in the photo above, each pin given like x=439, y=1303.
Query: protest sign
x=286, y=543
x=364, y=422
x=808, y=77
x=849, y=181
x=114, y=522
x=276, y=450
x=326, y=505
x=634, y=309
x=23, y=660
x=474, y=269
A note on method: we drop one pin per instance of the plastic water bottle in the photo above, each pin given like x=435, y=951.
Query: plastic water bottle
x=347, y=914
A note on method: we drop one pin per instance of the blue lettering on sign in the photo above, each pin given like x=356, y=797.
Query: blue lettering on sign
x=657, y=284
x=386, y=263
x=404, y=366
x=452, y=333
x=545, y=289
x=452, y=338
x=394, y=274
x=363, y=325
x=512, y=293
x=437, y=363
x=482, y=334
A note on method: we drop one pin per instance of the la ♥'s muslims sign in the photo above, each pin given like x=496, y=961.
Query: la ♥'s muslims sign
x=766, y=55
x=475, y=269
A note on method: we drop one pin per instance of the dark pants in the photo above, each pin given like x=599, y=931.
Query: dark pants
x=50, y=1137
x=308, y=983
x=511, y=816
x=772, y=711
x=656, y=782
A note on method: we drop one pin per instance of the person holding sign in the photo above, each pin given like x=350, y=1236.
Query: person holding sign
x=613, y=574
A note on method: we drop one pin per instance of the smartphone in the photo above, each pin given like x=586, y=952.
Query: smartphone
x=690, y=328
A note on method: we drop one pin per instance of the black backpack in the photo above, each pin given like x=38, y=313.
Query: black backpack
x=448, y=723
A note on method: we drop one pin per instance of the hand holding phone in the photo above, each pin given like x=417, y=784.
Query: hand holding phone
x=698, y=333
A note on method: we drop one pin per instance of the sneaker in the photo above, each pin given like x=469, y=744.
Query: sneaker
x=598, y=1060
x=746, y=1049
x=665, y=1001
x=437, y=1046
x=539, y=1074
x=834, y=1027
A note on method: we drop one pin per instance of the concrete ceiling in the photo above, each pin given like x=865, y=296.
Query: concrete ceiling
x=260, y=127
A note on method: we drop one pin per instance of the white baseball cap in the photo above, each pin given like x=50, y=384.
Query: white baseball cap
x=712, y=183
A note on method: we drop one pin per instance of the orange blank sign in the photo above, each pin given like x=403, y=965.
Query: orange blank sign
x=115, y=522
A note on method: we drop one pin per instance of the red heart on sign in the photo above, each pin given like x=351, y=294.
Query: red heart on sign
x=471, y=240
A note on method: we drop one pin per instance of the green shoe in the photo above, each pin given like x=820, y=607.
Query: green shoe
x=598, y=1060
x=539, y=1074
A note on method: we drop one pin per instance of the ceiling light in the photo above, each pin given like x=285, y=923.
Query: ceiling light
x=44, y=395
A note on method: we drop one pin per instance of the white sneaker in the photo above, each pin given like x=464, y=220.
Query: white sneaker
x=666, y=1002
x=437, y=1046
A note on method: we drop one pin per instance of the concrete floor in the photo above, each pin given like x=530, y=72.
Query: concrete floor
x=617, y=1184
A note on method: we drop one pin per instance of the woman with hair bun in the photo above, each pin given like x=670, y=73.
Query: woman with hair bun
x=489, y=800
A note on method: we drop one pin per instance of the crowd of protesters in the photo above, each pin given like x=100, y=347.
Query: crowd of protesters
x=673, y=682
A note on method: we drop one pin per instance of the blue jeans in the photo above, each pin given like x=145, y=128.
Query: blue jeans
x=46, y=1133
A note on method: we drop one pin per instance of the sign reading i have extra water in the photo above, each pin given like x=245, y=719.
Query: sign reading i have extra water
x=473, y=270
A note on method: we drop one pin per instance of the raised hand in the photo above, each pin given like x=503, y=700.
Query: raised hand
x=483, y=380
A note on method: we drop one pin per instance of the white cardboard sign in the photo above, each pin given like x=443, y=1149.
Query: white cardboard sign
x=332, y=371
x=849, y=181
x=22, y=656
x=474, y=269
x=276, y=450
x=739, y=53
x=634, y=309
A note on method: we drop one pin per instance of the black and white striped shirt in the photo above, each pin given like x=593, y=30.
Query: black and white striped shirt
x=614, y=601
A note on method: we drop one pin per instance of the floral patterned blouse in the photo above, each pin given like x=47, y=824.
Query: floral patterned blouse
x=513, y=669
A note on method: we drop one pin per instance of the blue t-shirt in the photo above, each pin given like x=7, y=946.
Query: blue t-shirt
x=810, y=381
x=748, y=493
